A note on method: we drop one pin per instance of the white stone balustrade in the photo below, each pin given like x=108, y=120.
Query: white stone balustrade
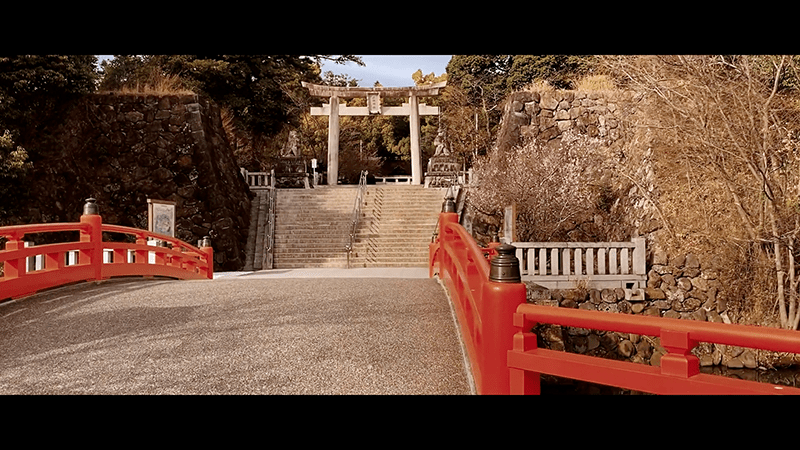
x=600, y=265
x=397, y=179
x=258, y=180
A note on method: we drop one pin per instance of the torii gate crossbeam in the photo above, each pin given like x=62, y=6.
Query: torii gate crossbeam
x=413, y=109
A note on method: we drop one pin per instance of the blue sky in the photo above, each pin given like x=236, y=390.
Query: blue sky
x=390, y=70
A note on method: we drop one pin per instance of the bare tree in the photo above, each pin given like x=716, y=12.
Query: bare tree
x=733, y=122
x=548, y=183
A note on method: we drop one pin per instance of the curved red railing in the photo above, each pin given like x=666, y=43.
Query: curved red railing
x=484, y=308
x=182, y=261
x=495, y=323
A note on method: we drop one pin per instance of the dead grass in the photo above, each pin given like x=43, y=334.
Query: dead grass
x=539, y=86
x=157, y=84
x=589, y=83
x=595, y=83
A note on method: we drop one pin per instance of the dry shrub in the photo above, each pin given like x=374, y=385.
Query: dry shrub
x=157, y=83
x=727, y=171
x=595, y=83
x=551, y=185
x=539, y=85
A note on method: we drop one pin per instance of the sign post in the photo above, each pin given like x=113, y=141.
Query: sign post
x=314, y=168
x=161, y=217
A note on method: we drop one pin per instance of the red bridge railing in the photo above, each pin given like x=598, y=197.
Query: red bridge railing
x=484, y=308
x=679, y=372
x=181, y=261
x=496, y=322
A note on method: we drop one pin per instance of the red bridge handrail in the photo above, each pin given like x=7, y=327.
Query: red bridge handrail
x=679, y=371
x=764, y=338
x=182, y=261
x=495, y=324
x=484, y=308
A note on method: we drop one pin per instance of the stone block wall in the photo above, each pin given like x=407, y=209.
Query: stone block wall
x=678, y=286
x=124, y=149
x=546, y=115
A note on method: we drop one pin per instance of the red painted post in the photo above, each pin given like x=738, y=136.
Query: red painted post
x=502, y=294
x=141, y=256
x=53, y=261
x=524, y=382
x=434, y=248
x=209, y=251
x=120, y=256
x=500, y=301
x=14, y=268
x=444, y=219
x=93, y=256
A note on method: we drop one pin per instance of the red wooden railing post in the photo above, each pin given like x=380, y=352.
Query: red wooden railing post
x=524, y=382
x=434, y=249
x=206, y=248
x=141, y=256
x=14, y=268
x=94, y=255
x=501, y=296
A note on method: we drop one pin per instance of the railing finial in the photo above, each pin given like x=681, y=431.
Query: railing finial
x=504, y=268
x=449, y=205
x=90, y=207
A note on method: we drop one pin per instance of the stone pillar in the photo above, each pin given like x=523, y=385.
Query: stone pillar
x=416, y=158
x=333, y=142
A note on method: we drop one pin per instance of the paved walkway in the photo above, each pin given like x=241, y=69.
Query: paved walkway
x=372, y=331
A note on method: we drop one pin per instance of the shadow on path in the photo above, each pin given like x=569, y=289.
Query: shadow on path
x=233, y=336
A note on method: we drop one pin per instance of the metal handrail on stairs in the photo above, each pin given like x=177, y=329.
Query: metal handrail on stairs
x=362, y=186
x=269, y=246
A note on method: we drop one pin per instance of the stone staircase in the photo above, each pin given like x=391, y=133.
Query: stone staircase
x=313, y=226
x=396, y=226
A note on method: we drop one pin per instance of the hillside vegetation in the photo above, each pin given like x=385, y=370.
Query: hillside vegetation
x=719, y=137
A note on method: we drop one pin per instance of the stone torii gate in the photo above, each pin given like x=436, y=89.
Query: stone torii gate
x=413, y=109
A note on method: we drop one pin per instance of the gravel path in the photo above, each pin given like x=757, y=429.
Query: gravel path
x=236, y=335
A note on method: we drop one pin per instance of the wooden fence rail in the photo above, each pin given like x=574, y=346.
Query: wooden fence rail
x=679, y=370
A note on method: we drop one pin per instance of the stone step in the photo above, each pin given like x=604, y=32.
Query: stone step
x=395, y=227
x=353, y=259
x=295, y=249
x=294, y=245
x=376, y=225
x=397, y=251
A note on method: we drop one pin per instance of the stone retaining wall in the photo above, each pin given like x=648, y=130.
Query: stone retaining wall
x=546, y=115
x=124, y=149
x=676, y=288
